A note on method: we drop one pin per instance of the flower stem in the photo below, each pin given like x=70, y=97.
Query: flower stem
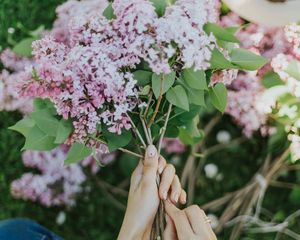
x=164, y=128
x=137, y=131
x=158, y=102
x=130, y=152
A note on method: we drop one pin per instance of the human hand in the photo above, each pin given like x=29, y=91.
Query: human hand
x=190, y=223
x=144, y=196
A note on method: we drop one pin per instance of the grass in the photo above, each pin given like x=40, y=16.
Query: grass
x=24, y=15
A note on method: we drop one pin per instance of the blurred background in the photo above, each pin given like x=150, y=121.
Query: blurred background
x=93, y=207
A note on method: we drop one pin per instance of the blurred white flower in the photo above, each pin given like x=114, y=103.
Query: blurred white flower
x=61, y=218
x=11, y=30
x=223, y=136
x=211, y=170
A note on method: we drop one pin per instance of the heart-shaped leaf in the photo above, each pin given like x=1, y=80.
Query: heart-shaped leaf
x=178, y=97
x=218, y=96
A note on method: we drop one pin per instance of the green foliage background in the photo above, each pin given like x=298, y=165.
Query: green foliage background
x=95, y=215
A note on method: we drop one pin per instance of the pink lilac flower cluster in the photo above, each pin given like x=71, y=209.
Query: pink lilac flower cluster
x=280, y=63
x=10, y=78
x=54, y=176
x=73, y=9
x=246, y=103
x=173, y=146
x=88, y=78
x=244, y=99
x=13, y=62
x=56, y=185
x=292, y=33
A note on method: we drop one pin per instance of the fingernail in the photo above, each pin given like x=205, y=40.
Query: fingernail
x=175, y=197
x=165, y=195
x=151, y=151
x=160, y=170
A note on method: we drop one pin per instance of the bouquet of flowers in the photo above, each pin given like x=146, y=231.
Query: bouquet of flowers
x=128, y=77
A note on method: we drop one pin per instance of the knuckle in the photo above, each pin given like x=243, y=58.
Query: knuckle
x=176, y=179
x=193, y=208
x=171, y=168
x=202, y=211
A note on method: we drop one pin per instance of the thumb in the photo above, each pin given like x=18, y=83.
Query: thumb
x=171, y=209
x=150, y=163
x=170, y=230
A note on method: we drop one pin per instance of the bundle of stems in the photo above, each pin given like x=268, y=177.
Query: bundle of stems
x=241, y=202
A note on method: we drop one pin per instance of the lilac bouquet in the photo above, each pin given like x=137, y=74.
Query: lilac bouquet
x=126, y=73
x=128, y=77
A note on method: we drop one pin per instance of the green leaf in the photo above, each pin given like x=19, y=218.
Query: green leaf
x=172, y=131
x=143, y=77
x=23, y=126
x=115, y=141
x=45, y=121
x=271, y=79
x=189, y=133
x=64, y=130
x=293, y=70
x=247, y=60
x=218, y=61
x=37, y=140
x=195, y=79
x=168, y=81
x=185, y=137
x=145, y=90
x=233, y=29
x=220, y=33
x=37, y=33
x=197, y=97
x=178, y=97
x=24, y=48
x=218, y=96
x=183, y=117
x=42, y=104
x=109, y=12
x=229, y=46
x=77, y=153
x=160, y=6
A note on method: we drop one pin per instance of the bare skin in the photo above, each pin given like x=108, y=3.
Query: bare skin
x=189, y=223
x=144, y=198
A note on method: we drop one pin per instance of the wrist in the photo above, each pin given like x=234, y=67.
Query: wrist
x=129, y=231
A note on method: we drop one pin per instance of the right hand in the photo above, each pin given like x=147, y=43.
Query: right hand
x=188, y=223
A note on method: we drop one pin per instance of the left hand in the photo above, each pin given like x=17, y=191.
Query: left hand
x=144, y=196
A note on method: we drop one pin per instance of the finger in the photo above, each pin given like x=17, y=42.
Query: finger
x=180, y=220
x=197, y=218
x=175, y=189
x=150, y=164
x=170, y=230
x=161, y=164
x=136, y=176
x=166, y=181
x=182, y=198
